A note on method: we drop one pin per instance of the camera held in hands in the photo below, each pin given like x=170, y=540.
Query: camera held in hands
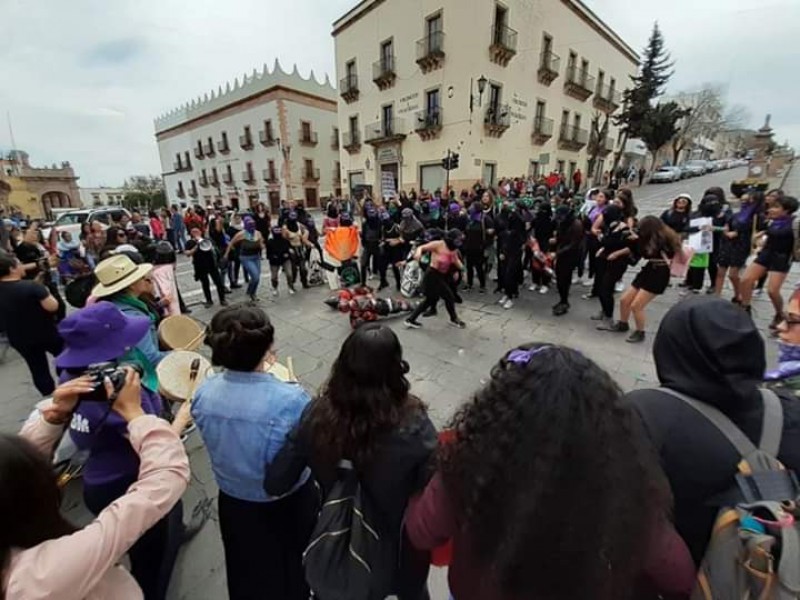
x=115, y=372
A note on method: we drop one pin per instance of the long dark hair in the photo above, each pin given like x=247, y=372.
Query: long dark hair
x=547, y=455
x=366, y=396
x=29, y=499
x=655, y=236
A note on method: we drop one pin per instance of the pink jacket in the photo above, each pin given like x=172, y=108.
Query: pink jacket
x=164, y=279
x=157, y=228
x=84, y=565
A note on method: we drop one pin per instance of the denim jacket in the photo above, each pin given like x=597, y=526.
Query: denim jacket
x=244, y=419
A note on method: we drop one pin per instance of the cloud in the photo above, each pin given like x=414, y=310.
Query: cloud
x=84, y=79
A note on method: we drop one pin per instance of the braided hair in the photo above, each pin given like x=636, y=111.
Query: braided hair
x=239, y=337
x=552, y=478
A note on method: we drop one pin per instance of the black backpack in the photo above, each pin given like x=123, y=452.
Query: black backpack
x=350, y=555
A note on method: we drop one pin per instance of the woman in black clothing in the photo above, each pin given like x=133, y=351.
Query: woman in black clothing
x=612, y=261
x=568, y=244
x=391, y=251
x=205, y=259
x=677, y=217
x=736, y=242
x=543, y=228
x=216, y=232
x=776, y=257
x=263, y=220
x=512, y=241
x=477, y=238
x=657, y=244
x=365, y=413
x=36, y=265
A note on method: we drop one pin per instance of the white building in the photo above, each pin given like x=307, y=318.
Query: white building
x=512, y=87
x=273, y=136
x=102, y=196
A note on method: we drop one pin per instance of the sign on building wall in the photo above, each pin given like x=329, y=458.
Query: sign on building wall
x=544, y=159
x=388, y=155
x=408, y=103
x=388, y=188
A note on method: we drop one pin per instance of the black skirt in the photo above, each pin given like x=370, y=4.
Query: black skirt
x=733, y=253
x=653, y=278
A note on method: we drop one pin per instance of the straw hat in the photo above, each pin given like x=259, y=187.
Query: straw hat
x=117, y=273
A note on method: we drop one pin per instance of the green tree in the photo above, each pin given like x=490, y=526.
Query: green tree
x=648, y=84
x=661, y=126
x=144, y=192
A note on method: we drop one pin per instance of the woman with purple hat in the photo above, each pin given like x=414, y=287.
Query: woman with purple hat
x=250, y=243
x=102, y=335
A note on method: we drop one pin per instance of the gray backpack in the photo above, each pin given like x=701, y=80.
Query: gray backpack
x=754, y=550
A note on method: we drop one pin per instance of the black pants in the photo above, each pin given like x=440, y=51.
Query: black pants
x=590, y=247
x=512, y=274
x=264, y=543
x=435, y=285
x=35, y=356
x=565, y=264
x=297, y=256
x=370, y=252
x=476, y=263
x=696, y=275
x=204, y=276
x=153, y=555
x=609, y=273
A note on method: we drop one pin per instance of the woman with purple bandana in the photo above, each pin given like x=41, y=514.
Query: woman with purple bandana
x=776, y=257
x=251, y=245
x=787, y=374
x=736, y=242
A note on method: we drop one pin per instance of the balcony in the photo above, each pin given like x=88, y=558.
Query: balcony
x=227, y=178
x=428, y=123
x=384, y=132
x=310, y=175
x=335, y=141
x=307, y=138
x=383, y=73
x=193, y=190
x=180, y=192
x=222, y=146
x=348, y=88
x=336, y=174
x=549, y=63
x=579, y=84
x=266, y=138
x=203, y=180
x=430, y=51
x=603, y=148
x=179, y=166
x=542, y=130
x=572, y=138
x=351, y=141
x=269, y=175
x=208, y=149
x=504, y=44
x=497, y=120
x=198, y=152
x=607, y=99
x=248, y=176
x=246, y=141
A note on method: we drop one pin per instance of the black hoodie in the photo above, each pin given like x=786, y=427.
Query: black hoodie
x=708, y=349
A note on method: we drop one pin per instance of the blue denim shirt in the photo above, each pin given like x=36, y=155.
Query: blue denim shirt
x=244, y=419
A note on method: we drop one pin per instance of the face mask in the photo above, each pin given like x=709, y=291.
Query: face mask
x=250, y=226
x=788, y=352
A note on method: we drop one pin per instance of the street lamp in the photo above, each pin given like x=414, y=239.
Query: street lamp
x=481, y=88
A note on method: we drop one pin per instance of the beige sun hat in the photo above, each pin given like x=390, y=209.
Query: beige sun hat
x=117, y=273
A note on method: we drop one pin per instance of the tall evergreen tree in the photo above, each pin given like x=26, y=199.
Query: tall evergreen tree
x=648, y=84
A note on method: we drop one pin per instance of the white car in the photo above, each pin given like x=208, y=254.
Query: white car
x=666, y=175
x=71, y=221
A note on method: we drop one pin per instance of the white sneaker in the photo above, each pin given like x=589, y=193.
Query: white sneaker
x=576, y=280
x=508, y=304
x=533, y=287
x=544, y=289
x=274, y=293
x=619, y=287
x=587, y=283
x=758, y=292
x=291, y=292
x=503, y=300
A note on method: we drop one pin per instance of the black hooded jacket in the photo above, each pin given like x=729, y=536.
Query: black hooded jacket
x=708, y=349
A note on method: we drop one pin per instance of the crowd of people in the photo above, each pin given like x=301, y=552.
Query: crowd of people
x=547, y=482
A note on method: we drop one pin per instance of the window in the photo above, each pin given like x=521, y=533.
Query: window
x=600, y=80
x=584, y=70
x=560, y=166
x=354, y=126
x=305, y=129
x=433, y=33
x=350, y=71
x=309, y=166
x=534, y=169
x=271, y=169
x=249, y=169
x=214, y=175
x=612, y=83
x=572, y=167
x=229, y=172
x=500, y=22
x=336, y=135
x=540, y=108
x=564, y=120
x=571, y=64
x=387, y=120
x=225, y=139
x=188, y=163
x=268, y=130
x=432, y=105
x=387, y=56
x=495, y=92
x=577, y=121
x=247, y=132
x=547, y=48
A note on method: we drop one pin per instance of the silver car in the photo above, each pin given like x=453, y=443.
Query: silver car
x=666, y=175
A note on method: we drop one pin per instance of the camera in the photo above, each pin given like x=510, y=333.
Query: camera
x=116, y=373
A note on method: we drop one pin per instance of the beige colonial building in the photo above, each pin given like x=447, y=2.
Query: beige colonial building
x=33, y=190
x=269, y=137
x=513, y=87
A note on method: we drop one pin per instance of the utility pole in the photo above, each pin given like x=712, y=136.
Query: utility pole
x=447, y=184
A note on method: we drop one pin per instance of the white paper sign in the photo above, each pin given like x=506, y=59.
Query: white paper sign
x=701, y=242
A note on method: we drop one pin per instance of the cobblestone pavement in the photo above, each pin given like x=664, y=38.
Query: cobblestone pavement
x=447, y=365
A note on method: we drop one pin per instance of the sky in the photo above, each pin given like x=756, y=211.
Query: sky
x=83, y=80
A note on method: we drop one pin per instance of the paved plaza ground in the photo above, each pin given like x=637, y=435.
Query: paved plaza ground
x=447, y=365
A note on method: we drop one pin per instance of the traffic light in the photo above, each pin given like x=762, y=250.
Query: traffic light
x=450, y=162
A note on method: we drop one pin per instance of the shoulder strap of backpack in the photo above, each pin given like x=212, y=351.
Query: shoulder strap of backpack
x=771, y=428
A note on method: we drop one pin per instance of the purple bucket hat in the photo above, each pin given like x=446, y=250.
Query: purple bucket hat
x=98, y=333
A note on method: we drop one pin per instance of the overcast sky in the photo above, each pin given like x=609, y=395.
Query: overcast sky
x=83, y=79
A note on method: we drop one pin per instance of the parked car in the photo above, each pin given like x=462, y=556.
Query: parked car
x=666, y=175
x=685, y=172
x=71, y=221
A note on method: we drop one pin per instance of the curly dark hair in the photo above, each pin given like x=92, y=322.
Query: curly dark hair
x=366, y=396
x=239, y=337
x=553, y=479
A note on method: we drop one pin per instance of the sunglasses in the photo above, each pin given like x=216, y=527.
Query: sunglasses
x=791, y=319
